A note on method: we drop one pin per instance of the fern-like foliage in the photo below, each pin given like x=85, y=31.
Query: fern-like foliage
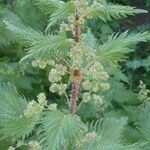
x=48, y=47
x=61, y=14
x=58, y=10
x=60, y=130
x=48, y=6
x=144, y=122
x=117, y=46
x=108, y=11
x=12, y=120
x=23, y=33
x=124, y=96
x=109, y=136
x=90, y=40
x=39, y=45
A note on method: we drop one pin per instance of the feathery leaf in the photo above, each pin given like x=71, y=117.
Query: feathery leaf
x=60, y=130
x=12, y=120
x=108, y=11
x=117, y=46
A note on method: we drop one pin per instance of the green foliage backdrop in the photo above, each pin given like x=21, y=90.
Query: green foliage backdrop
x=29, y=29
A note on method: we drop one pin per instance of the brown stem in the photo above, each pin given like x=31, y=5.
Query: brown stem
x=77, y=29
x=75, y=78
x=74, y=98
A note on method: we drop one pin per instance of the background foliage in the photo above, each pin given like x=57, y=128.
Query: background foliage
x=31, y=81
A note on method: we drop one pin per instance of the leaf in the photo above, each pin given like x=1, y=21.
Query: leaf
x=48, y=47
x=118, y=46
x=39, y=45
x=60, y=130
x=24, y=34
x=12, y=120
x=124, y=96
x=48, y=6
x=89, y=39
x=108, y=11
x=61, y=14
x=109, y=137
x=143, y=123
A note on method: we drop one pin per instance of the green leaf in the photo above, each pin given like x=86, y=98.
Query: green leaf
x=48, y=6
x=108, y=11
x=144, y=122
x=89, y=40
x=39, y=45
x=109, y=136
x=61, y=14
x=60, y=130
x=12, y=120
x=24, y=34
x=48, y=46
x=118, y=46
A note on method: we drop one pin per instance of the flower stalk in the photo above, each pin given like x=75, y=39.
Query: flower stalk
x=75, y=77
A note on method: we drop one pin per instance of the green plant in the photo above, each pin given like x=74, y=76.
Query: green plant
x=80, y=70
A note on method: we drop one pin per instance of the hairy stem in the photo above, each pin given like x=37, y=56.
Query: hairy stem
x=75, y=78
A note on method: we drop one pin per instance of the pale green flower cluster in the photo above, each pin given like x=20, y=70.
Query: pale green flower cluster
x=82, y=10
x=34, y=145
x=20, y=143
x=98, y=100
x=81, y=55
x=89, y=137
x=81, y=5
x=52, y=106
x=87, y=96
x=11, y=148
x=42, y=64
x=66, y=27
x=34, y=107
x=56, y=73
x=55, y=76
x=143, y=93
x=60, y=88
x=94, y=78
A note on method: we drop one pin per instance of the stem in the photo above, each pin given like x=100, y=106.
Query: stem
x=74, y=98
x=75, y=77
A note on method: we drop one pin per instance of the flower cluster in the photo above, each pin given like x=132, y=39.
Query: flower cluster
x=11, y=148
x=56, y=73
x=98, y=100
x=65, y=27
x=143, y=93
x=81, y=55
x=60, y=88
x=95, y=78
x=34, y=107
x=55, y=76
x=34, y=145
x=42, y=64
x=52, y=106
x=82, y=6
x=89, y=137
x=87, y=96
